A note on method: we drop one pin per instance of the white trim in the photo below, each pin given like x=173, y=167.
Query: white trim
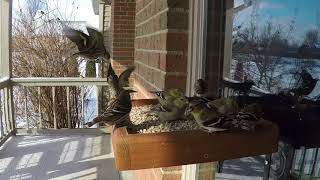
x=228, y=38
x=190, y=172
x=197, y=42
x=196, y=61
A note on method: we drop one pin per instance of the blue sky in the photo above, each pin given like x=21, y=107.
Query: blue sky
x=282, y=12
x=82, y=9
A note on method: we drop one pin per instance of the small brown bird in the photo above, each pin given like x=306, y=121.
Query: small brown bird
x=306, y=84
x=118, y=83
x=220, y=115
x=200, y=87
x=90, y=46
x=117, y=112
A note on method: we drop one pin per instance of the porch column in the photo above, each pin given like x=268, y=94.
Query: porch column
x=5, y=54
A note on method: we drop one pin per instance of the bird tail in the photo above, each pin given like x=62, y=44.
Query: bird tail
x=242, y=120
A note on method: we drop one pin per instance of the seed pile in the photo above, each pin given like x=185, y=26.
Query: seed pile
x=150, y=123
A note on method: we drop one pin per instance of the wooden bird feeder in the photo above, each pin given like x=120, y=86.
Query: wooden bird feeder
x=153, y=150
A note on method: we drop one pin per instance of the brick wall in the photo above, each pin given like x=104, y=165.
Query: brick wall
x=122, y=33
x=161, y=43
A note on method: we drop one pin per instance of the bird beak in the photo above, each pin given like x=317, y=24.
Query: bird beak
x=187, y=111
x=131, y=91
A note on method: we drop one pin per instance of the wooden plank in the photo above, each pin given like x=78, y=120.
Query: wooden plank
x=55, y=125
x=139, y=151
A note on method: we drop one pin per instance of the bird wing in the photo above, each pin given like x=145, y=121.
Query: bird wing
x=78, y=37
x=96, y=38
x=124, y=77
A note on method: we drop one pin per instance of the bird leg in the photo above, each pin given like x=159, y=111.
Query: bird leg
x=95, y=121
x=211, y=129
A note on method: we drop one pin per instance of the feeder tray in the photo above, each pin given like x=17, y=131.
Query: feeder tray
x=154, y=150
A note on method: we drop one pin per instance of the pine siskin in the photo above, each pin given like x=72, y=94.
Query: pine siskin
x=117, y=111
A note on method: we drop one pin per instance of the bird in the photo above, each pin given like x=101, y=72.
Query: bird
x=90, y=46
x=204, y=116
x=117, y=112
x=220, y=115
x=176, y=112
x=117, y=83
x=200, y=88
x=166, y=98
x=241, y=87
x=224, y=106
x=306, y=84
x=90, y=69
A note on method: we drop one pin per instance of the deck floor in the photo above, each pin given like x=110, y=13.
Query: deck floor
x=58, y=157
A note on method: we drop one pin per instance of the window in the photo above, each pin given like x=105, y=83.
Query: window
x=274, y=41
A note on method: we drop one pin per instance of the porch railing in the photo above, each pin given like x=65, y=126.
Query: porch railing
x=37, y=88
x=7, y=124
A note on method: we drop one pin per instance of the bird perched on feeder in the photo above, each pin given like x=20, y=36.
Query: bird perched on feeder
x=172, y=105
x=166, y=98
x=117, y=83
x=200, y=89
x=307, y=84
x=90, y=46
x=220, y=115
x=117, y=113
x=176, y=112
x=120, y=105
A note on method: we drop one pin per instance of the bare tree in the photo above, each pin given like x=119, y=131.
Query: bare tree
x=261, y=46
x=41, y=50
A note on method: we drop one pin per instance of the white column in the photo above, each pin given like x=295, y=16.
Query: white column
x=196, y=61
x=5, y=38
x=197, y=42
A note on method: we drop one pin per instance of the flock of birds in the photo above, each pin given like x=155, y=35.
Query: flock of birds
x=217, y=114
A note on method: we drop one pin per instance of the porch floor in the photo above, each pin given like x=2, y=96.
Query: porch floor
x=58, y=157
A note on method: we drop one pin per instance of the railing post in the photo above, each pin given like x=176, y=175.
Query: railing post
x=39, y=107
x=82, y=106
x=5, y=111
x=10, y=106
x=26, y=107
x=68, y=107
x=1, y=124
x=55, y=125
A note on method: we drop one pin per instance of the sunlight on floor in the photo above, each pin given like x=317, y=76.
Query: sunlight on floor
x=57, y=157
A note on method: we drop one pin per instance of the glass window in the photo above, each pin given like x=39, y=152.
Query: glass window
x=274, y=41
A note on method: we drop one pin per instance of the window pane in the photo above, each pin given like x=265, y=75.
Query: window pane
x=273, y=41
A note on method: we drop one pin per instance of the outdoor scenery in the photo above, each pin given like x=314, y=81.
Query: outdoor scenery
x=40, y=49
x=273, y=42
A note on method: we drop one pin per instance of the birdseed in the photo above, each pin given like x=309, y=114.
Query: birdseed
x=145, y=122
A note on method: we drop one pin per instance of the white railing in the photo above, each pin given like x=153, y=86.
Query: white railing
x=64, y=94
x=6, y=118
